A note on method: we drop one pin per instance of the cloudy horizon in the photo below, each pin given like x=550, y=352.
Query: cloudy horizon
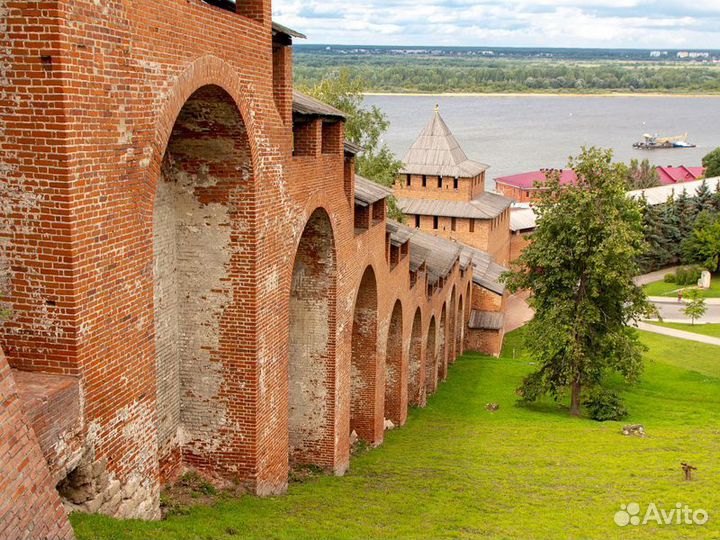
x=643, y=24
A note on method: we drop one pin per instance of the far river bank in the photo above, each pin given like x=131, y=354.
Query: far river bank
x=546, y=94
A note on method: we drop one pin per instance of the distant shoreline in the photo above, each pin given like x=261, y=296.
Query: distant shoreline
x=545, y=94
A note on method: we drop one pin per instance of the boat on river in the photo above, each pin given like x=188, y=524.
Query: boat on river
x=653, y=142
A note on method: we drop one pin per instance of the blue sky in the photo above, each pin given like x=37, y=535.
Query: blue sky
x=536, y=23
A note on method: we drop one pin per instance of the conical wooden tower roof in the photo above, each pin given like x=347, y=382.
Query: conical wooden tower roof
x=437, y=152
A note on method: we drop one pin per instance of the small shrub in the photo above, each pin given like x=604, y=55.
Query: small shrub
x=669, y=278
x=603, y=405
x=688, y=275
x=680, y=276
x=206, y=488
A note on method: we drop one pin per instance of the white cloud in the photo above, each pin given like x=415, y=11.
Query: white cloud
x=549, y=23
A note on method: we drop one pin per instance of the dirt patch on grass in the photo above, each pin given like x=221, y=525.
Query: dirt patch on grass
x=193, y=490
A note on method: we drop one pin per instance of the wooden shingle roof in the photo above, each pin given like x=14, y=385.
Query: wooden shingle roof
x=309, y=106
x=367, y=192
x=486, y=320
x=486, y=206
x=436, y=151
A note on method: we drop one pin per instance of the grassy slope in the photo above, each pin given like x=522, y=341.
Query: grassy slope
x=458, y=471
x=660, y=288
x=712, y=330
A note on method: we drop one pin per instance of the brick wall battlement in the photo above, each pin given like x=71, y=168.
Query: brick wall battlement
x=204, y=293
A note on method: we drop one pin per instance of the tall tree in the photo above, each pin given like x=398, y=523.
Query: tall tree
x=579, y=267
x=711, y=162
x=702, y=245
x=703, y=199
x=364, y=126
x=671, y=227
x=684, y=213
x=642, y=175
x=658, y=252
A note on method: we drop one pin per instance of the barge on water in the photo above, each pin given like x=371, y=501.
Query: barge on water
x=653, y=142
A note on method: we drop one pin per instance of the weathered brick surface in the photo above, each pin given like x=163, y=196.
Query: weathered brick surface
x=518, y=241
x=29, y=505
x=467, y=188
x=204, y=284
x=489, y=235
x=488, y=341
x=51, y=404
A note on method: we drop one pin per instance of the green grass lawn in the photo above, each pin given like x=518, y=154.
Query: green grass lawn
x=712, y=330
x=458, y=471
x=660, y=288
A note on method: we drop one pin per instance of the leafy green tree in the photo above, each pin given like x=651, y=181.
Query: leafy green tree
x=702, y=245
x=364, y=126
x=696, y=307
x=711, y=162
x=642, y=175
x=579, y=267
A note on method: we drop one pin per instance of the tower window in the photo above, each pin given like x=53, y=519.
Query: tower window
x=453, y=224
x=408, y=181
x=417, y=222
x=455, y=182
x=435, y=222
x=424, y=184
x=440, y=182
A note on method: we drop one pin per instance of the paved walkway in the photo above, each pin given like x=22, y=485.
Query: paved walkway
x=680, y=334
x=652, y=277
x=673, y=311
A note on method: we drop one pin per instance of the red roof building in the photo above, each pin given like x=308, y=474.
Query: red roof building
x=523, y=188
x=675, y=175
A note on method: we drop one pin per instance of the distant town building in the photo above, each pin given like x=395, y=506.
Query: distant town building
x=693, y=54
x=675, y=175
x=525, y=187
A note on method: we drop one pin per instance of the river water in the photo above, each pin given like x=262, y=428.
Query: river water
x=522, y=133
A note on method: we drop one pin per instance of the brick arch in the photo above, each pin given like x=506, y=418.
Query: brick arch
x=460, y=334
x=468, y=302
x=452, y=328
x=415, y=389
x=364, y=369
x=207, y=70
x=394, y=373
x=202, y=239
x=311, y=343
x=431, y=358
x=442, y=345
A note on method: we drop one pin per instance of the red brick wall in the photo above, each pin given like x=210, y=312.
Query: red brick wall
x=90, y=132
x=485, y=341
x=29, y=505
x=468, y=188
x=485, y=300
x=518, y=241
x=518, y=194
